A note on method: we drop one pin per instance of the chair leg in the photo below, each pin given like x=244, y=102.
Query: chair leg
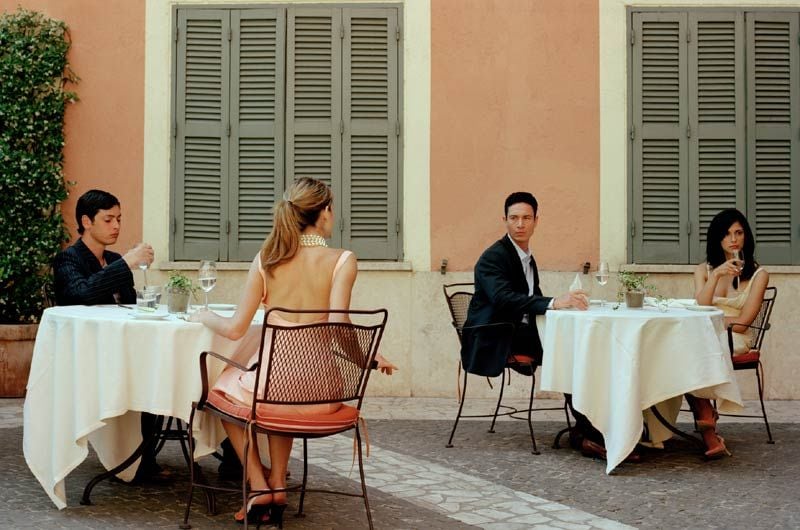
x=499, y=401
x=161, y=439
x=305, y=477
x=186, y=525
x=246, y=451
x=363, y=481
x=530, y=411
x=562, y=432
x=458, y=416
x=761, y=399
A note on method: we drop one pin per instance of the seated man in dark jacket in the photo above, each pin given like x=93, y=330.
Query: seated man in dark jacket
x=87, y=273
x=507, y=290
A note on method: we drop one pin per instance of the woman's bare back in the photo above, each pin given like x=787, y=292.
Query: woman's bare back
x=303, y=282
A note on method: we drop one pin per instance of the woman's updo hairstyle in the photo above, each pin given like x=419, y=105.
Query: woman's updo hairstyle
x=300, y=207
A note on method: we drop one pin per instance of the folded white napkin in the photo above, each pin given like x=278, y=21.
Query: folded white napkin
x=669, y=302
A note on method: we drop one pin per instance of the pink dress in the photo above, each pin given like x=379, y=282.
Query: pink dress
x=238, y=386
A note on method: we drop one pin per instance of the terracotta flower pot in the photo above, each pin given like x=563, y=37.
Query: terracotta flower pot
x=16, y=352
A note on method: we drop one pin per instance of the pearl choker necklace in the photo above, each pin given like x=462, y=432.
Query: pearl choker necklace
x=312, y=240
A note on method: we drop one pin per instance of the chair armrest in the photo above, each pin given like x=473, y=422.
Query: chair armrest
x=731, y=332
x=204, y=373
x=492, y=325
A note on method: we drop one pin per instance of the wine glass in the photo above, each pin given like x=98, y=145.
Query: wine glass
x=601, y=276
x=207, y=276
x=738, y=255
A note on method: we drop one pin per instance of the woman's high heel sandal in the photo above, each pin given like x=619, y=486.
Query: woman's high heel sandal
x=276, y=514
x=257, y=514
x=717, y=451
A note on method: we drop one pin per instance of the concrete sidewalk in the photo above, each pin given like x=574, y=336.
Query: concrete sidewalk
x=486, y=480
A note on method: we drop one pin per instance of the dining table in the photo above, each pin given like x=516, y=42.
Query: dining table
x=95, y=369
x=618, y=362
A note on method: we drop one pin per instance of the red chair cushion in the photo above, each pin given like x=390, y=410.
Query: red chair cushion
x=746, y=358
x=283, y=418
x=521, y=359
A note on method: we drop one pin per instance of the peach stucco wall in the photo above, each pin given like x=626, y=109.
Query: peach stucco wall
x=514, y=106
x=104, y=130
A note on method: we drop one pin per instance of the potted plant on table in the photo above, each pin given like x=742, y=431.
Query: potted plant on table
x=633, y=286
x=178, y=288
x=33, y=70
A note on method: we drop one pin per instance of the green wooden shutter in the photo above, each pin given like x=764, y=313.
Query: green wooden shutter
x=717, y=120
x=773, y=148
x=201, y=118
x=313, y=99
x=371, y=129
x=659, y=151
x=257, y=114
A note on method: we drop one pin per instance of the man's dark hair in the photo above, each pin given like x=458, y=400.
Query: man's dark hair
x=521, y=196
x=91, y=202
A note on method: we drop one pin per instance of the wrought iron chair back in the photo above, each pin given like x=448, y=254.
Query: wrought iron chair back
x=458, y=297
x=752, y=359
x=306, y=364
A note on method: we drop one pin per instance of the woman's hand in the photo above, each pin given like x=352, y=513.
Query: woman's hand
x=729, y=268
x=384, y=365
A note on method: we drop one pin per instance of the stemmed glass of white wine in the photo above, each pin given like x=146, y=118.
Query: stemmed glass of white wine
x=601, y=277
x=207, y=276
x=738, y=255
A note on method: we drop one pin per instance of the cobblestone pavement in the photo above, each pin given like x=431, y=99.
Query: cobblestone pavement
x=486, y=480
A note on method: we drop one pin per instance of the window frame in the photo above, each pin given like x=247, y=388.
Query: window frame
x=399, y=75
x=630, y=239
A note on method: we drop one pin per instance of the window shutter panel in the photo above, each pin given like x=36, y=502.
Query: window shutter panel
x=313, y=99
x=371, y=125
x=201, y=118
x=717, y=120
x=257, y=113
x=660, y=147
x=773, y=120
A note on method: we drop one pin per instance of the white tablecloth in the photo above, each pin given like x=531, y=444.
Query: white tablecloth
x=94, y=369
x=617, y=363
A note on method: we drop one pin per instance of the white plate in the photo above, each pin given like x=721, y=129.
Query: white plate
x=222, y=307
x=145, y=315
x=701, y=308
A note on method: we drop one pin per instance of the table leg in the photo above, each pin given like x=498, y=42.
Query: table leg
x=146, y=444
x=694, y=439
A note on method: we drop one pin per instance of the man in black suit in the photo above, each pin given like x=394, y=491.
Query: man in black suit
x=507, y=290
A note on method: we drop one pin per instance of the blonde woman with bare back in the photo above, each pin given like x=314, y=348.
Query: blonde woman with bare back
x=294, y=269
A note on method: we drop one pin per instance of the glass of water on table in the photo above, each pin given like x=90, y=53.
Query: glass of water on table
x=207, y=276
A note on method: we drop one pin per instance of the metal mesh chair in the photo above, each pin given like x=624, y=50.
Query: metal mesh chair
x=752, y=359
x=458, y=297
x=309, y=364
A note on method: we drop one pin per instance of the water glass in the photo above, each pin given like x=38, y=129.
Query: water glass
x=147, y=298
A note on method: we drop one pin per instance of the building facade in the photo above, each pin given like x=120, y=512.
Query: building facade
x=631, y=123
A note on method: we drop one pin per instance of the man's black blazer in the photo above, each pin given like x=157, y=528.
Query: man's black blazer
x=81, y=280
x=501, y=295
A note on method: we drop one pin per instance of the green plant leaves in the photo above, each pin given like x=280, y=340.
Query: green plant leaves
x=33, y=72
